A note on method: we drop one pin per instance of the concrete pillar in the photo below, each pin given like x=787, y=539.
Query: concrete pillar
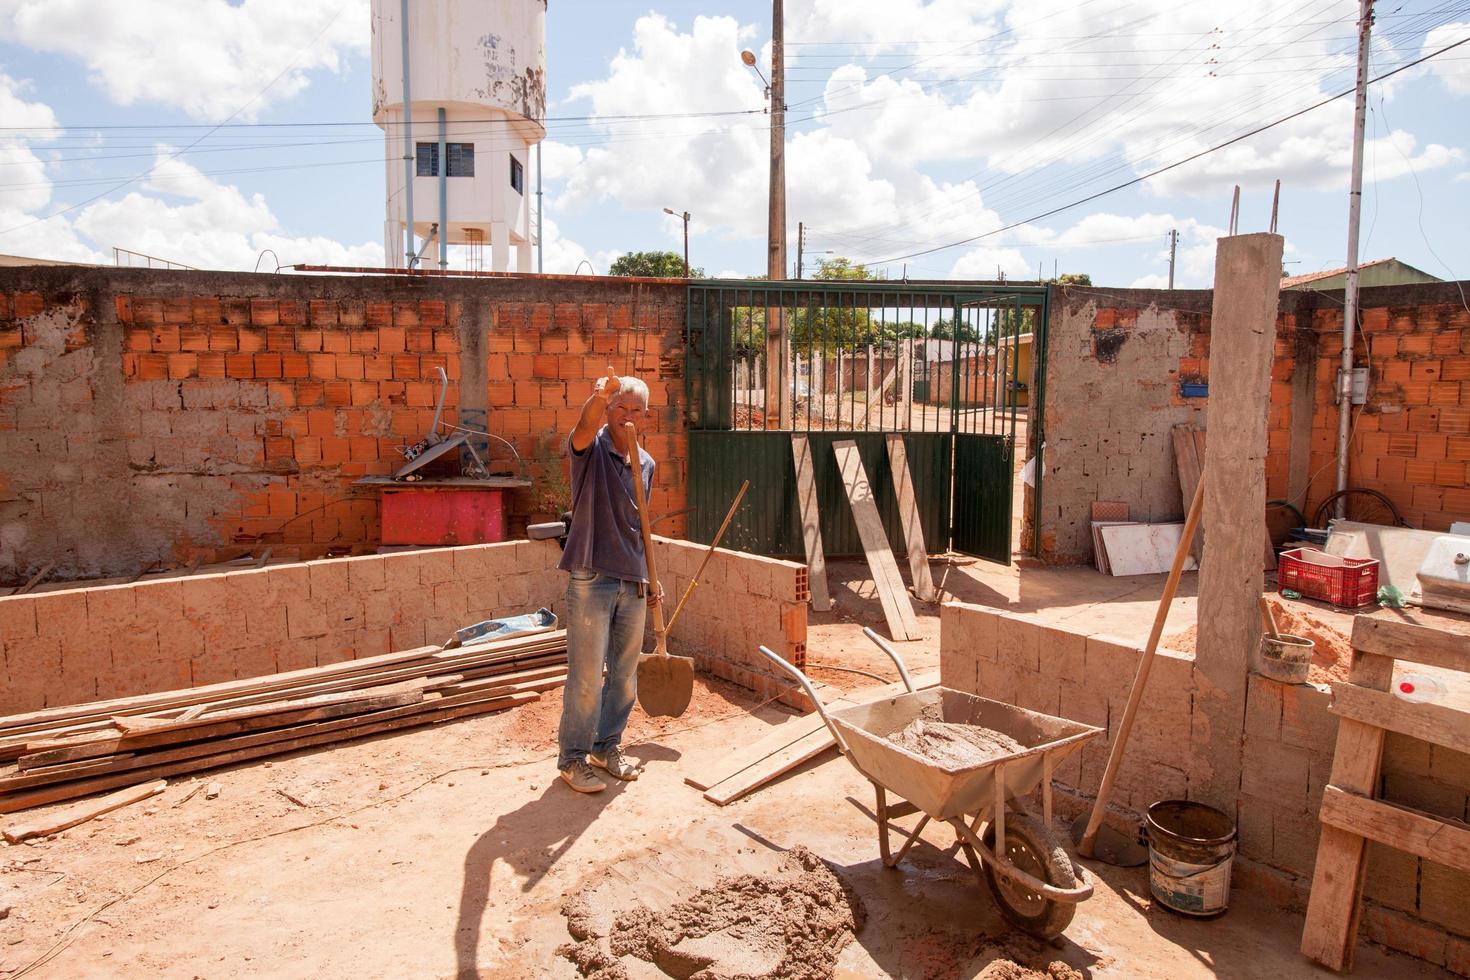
x=523, y=258
x=1303, y=398
x=499, y=246
x=1242, y=335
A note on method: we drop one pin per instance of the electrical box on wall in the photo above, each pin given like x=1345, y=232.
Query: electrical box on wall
x=1360, y=387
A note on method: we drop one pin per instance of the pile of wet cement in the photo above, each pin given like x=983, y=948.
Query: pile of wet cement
x=954, y=746
x=789, y=925
x=1003, y=968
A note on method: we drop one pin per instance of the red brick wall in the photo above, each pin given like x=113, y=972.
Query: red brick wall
x=151, y=417
x=1411, y=441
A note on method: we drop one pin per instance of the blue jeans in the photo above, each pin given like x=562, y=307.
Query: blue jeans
x=604, y=618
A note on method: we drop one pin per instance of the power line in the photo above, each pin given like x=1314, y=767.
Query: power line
x=1178, y=163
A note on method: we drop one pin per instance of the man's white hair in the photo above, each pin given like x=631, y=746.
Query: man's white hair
x=633, y=387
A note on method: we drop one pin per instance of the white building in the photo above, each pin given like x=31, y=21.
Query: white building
x=476, y=87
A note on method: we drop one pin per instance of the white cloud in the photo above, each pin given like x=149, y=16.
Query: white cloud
x=1153, y=281
x=1451, y=68
x=985, y=263
x=206, y=57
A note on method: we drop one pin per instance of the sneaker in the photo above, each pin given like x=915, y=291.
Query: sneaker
x=580, y=777
x=614, y=763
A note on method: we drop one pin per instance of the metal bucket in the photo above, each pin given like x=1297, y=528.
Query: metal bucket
x=1288, y=659
x=1190, y=851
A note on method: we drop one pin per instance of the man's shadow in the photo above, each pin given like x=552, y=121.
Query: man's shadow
x=531, y=840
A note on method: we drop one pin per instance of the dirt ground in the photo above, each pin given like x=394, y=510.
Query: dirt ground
x=455, y=851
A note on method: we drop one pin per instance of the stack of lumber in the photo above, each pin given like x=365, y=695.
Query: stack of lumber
x=72, y=751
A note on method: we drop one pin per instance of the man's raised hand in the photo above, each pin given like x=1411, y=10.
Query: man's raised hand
x=610, y=385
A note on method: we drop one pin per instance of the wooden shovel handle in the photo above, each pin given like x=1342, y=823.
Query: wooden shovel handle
x=635, y=463
x=729, y=516
x=1140, y=678
x=1270, y=619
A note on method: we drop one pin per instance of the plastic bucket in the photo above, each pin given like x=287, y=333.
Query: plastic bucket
x=1288, y=659
x=1190, y=850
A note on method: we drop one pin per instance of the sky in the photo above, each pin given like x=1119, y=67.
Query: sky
x=939, y=139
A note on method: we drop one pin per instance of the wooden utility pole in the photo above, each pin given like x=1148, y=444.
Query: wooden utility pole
x=778, y=406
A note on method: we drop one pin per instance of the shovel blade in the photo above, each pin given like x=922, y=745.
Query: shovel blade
x=665, y=684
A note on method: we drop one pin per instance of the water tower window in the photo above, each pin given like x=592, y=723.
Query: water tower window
x=461, y=159
x=517, y=175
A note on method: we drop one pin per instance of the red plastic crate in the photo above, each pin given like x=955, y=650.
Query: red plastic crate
x=1352, y=584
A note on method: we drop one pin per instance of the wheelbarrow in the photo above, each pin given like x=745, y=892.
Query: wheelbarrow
x=1035, y=883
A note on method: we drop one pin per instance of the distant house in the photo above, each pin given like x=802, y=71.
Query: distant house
x=1379, y=272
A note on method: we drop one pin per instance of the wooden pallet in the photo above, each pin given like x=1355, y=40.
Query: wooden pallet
x=1351, y=815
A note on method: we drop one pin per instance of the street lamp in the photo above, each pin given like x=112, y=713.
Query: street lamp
x=685, y=216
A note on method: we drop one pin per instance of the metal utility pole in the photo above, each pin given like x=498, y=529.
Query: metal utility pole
x=776, y=232
x=540, y=213
x=1173, y=243
x=410, y=163
x=1355, y=210
x=685, y=216
x=800, y=245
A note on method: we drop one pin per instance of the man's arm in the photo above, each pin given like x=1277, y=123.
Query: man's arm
x=594, y=410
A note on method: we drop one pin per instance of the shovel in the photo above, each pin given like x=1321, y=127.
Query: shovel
x=665, y=683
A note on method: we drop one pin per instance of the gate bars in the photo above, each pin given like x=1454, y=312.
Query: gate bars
x=861, y=356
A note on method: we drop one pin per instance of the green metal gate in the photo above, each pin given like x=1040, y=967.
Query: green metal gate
x=943, y=364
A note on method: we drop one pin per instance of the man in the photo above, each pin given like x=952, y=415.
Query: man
x=608, y=596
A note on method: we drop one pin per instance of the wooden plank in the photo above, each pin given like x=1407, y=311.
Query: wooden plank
x=151, y=703
x=908, y=516
x=1334, y=908
x=207, y=729
x=790, y=732
x=55, y=823
x=897, y=609
x=811, y=517
x=1188, y=459
x=744, y=757
x=1405, y=829
x=12, y=745
x=802, y=750
x=265, y=744
x=1449, y=727
x=1424, y=639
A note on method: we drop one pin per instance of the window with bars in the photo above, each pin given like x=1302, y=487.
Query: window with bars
x=461, y=159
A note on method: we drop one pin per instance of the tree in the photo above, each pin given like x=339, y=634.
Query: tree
x=667, y=265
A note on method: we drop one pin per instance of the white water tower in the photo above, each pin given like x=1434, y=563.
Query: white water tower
x=476, y=87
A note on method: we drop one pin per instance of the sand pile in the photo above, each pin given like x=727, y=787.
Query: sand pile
x=1332, y=652
x=788, y=925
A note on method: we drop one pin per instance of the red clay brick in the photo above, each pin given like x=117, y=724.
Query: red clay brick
x=350, y=367
x=267, y=365
x=122, y=305
x=292, y=313
x=251, y=341
x=223, y=339
x=295, y=366
x=377, y=367
x=212, y=366
x=1415, y=343
x=432, y=312
x=182, y=365
x=337, y=393
x=379, y=314
x=165, y=338
x=335, y=450
x=362, y=449
x=265, y=312
x=280, y=339
x=351, y=313
x=407, y=367
x=1449, y=474
x=240, y=365
x=152, y=367
x=279, y=447
x=419, y=340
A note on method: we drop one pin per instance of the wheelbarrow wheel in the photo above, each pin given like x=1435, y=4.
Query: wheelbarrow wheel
x=1031, y=847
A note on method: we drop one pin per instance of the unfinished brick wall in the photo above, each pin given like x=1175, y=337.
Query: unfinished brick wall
x=1117, y=361
x=742, y=602
x=110, y=641
x=150, y=416
x=1413, y=905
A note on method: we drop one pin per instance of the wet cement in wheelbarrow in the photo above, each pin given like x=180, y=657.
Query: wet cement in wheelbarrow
x=790, y=924
x=952, y=745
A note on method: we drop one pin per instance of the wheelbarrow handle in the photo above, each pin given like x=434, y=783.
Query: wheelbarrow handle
x=811, y=692
x=903, y=671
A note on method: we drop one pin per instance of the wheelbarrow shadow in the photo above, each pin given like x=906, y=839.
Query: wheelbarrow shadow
x=932, y=917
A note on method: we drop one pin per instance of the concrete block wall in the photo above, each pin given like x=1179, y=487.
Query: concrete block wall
x=1117, y=359
x=151, y=416
x=742, y=602
x=1413, y=905
x=85, y=644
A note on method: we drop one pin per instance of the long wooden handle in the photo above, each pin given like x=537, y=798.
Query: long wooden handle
x=635, y=463
x=1140, y=679
x=709, y=553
